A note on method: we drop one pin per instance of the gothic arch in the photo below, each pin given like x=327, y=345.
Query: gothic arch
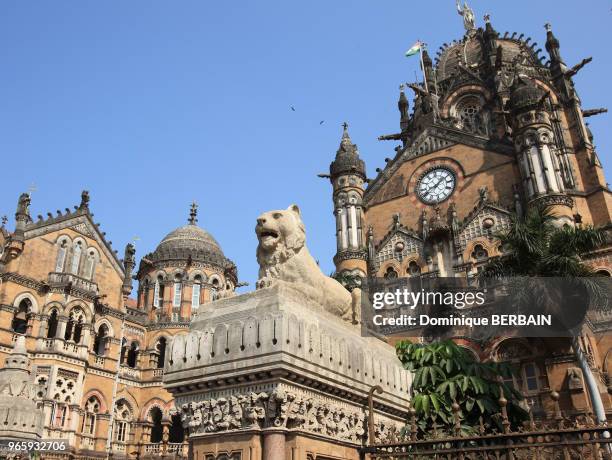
x=98, y=394
x=107, y=323
x=129, y=399
x=87, y=311
x=390, y=264
x=152, y=403
x=460, y=93
x=54, y=305
x=30, y=297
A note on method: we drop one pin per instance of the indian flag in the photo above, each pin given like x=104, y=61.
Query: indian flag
x=415, y=49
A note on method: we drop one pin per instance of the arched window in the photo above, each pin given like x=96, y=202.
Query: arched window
x=132, y=355
x=78, y=330
x=195, y=291
x=160, y=346
x=52, y=325
x=92, y=408
x=74, y=326
x=158, y=292
x=123, y=421
x=603, y=272
x=90, y=265
x=471, y=116
x=22, y=316
x=157, y=430
x=124, y=350
x=390, y=273
x=178, y=291
x=177, y=433
x=414, y=269
x=101, y=340
x=76, y=257
x=61, y=256
x=69, y=327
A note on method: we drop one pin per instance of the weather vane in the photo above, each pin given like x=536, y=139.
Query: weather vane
x=193, y=213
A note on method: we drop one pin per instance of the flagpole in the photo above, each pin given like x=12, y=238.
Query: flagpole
x=423, y=65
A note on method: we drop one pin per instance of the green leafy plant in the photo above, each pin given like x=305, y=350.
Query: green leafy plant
x=445, y=373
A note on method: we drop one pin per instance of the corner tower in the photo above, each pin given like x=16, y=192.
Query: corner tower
x=347, y=175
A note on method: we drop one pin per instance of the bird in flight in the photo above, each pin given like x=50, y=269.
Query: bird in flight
x=292, y=109
x=321, y=122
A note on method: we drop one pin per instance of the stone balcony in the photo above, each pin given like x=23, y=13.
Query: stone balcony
x=68, y=279
x=65, y=347
x=129, y=372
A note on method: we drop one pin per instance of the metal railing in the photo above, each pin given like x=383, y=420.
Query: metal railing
x=553, y=438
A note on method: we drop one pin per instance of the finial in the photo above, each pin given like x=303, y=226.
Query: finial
x=345, y=126
x=193, y=213
x=402, y=87
x=84, y=200
x=548, y=27
x=4, y=221
x=487, y=18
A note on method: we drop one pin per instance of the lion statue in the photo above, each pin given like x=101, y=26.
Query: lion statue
x=284, y=258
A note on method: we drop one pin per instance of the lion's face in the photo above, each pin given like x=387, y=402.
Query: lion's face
x=280, y=229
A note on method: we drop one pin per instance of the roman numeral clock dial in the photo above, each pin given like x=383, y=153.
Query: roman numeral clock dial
x=436, y=185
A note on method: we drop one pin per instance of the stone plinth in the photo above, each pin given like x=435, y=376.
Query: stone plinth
x=267, y=372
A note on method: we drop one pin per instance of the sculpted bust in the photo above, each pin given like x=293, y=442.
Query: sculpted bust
x=284, y=258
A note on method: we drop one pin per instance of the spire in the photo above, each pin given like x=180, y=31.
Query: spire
x=347, y=159
x=193, y=214
x=129, y=262
x=22, y=216
x=552, y=46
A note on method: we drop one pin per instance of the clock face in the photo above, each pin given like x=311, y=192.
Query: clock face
x=436, y=185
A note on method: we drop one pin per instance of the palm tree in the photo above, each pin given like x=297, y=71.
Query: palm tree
x=533, y=246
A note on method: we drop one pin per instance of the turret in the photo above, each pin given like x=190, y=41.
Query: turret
x=542, y=164
x=347, y=175
x=129, y=262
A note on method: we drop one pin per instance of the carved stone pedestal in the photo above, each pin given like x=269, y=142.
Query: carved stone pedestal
x=268, y=375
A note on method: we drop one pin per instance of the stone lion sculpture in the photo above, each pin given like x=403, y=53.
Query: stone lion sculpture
x=284, y=258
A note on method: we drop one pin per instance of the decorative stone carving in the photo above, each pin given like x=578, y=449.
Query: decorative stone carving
x=284, y=258
x=280, y=409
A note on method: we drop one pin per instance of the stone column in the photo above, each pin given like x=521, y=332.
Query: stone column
x=274, y=446
x=61, y=327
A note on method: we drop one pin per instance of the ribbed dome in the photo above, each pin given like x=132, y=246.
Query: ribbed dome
x=191, y=237
x=190, y=241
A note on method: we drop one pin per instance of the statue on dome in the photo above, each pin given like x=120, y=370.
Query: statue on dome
x=468, y=15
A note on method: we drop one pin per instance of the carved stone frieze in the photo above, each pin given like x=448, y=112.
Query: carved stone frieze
x=281, y=408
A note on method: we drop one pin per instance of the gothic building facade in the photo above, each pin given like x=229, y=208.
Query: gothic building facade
x=496, y=128
x=97, y=354
x=493, y=130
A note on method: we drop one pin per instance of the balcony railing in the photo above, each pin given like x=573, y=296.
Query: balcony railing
x=180, y=448
x=129, y=371
x=65, y=279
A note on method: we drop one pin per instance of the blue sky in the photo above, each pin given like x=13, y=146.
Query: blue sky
x=152, y=104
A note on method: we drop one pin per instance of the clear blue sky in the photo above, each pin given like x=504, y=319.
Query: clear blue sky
x=152, y=104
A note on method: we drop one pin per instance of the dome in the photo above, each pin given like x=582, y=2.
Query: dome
x=189, y=237
x=347, y=159
x=190, y=241
x=469, y=52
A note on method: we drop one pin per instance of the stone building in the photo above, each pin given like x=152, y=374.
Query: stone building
x=97, y=353
x=495, y=128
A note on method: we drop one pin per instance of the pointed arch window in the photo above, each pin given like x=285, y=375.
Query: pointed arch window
x=90, y=265
x=196, y=291
x=157, y=429
x=61, y=256
x=161, y=352
x=76, y=257
x=122, y=423
x=101, y=340
x=178, y=291
x=52, y=325
x=22, y=317
x=92, y=408
x=158, y=292
x=132, y=355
